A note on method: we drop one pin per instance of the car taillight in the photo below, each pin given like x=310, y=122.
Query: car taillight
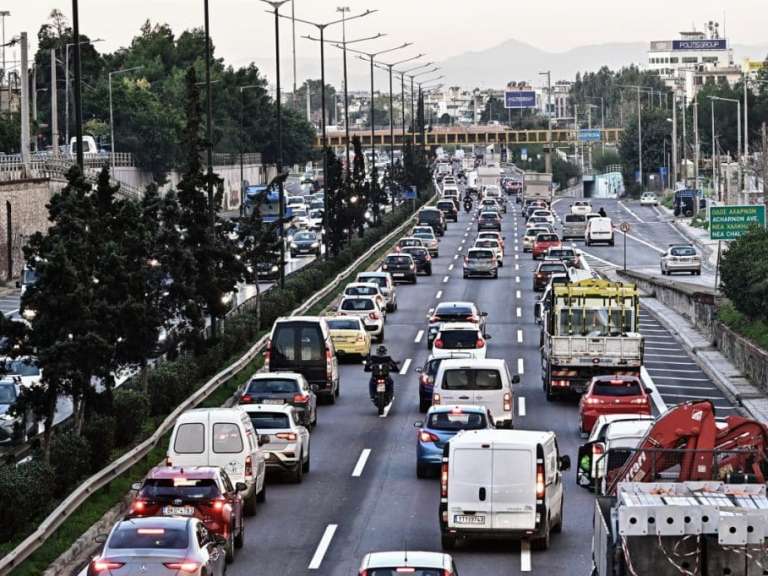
x=438, y=343
x=218, y=504
x=425, y=436
x=405, y=570
x=412, y=266
x=592, y=401
x=138, y=507
x=560, y=383
x=466, y=260
x=328, y=364
x=188, y=567
x=373, y=315
x=643, y=400
x=98, y=566
x=246, y=399
x=266, y=354
x=429, y=258
x=507, y=402
x=480, y=343
x=540, y=480
x=597, y=449
x=290, y=436
x=424, y=379
x=248, y=467
x=360, y=337
x=435, y=399
x=474, y=319
x=444, y=479
x=300, y=398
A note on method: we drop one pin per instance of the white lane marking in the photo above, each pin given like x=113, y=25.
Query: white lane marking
x=696, y=397
x=466, y=234
x=517, y=266
x=663, y=356
x=637, y=239
x=519, y=312
x=661, y=406
x=589, y=255
x=439, y=295
x=469, y=228
x=665, y=363
x=664, y=349
x=685, y=387
x=519, y=336
x=681, y=379
x=520, y=366
x=419, y=336
x=665, y=370
x=518, y=294
x=517, y=256
x=463, y=242
x=358, y=471
x=404, y=368
x=387, y=409
x=525, y=556
x=635, y=216
x=517, y=279
x=517, y=248
x=659, y=339
x=455, y=256
x=445, y=279
x=521, y=406
x=450, y=268
x=322, y=547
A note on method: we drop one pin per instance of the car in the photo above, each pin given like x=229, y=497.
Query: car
x=449, y=209
x=544, y=270
x=569, y=256
x=202, y=492
x=284, y=439
x=489, y=221
x=544, y=213
x=502, y=483
x=649, y=199
x=535, y=221
x=573, y=226
x=401, y=266
x=407, y=562
x=581, y=207
x=366, y=289
x=13, y=429
x=680, y=258
x=494, y=193
x=386, y=285
x=489, y=205
x=422, y=259
x=316, y=217
x=453, y=312
x=303, y=344
x=533, y=207
x=427, y=375
x=460, y=340
x=492, y=235
x=300, y=217
x=491, y=244
x=480, y=262
x=305, y=244
x=350, y=338
x=530, y=236
x=278, y=388
x=434, y=218
x=367, y=309
x=612, y=395
x=267, y=270
x=544, y=242
x=428, y=239
x=599, y=230
x=407, y=242
x=438, y=427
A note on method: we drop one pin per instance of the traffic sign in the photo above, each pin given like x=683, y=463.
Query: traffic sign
x=409, y=193
x=590, y=135
x=732, y=222
x=625, y=227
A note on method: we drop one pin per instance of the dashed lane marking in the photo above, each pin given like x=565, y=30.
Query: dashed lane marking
x=520, y=366
x=404, y=368
x=521, y=406
x=358, y=471
x=519, y=336
x=439, y=295
x=518, y=294
x=519, y=312
x=419, y=336
x=450, y=268
x=525, y=556
x=517, y=279
x=323, y=546
x=445, y=279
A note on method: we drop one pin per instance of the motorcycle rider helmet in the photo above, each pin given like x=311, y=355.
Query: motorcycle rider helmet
x=381, y=350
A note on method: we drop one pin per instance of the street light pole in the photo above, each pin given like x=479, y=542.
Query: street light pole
x=3, y=14
x=112, y=116
x=548, y=151
x=738, y=132
x=66, y=82
x=78, y=104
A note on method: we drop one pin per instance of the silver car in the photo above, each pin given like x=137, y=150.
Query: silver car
x=160, y=546
x=681, y=258
x=481, y=262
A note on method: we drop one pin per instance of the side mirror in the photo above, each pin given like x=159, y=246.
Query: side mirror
x=100, y=539
x=418, y=424
x=516, y=379
x=565, y=463
x=263, y=439
x=419, y=370
x=241, y=487
x=484, y=314
x=136, y=486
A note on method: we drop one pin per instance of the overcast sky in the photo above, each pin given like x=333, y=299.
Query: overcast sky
x=243, y=32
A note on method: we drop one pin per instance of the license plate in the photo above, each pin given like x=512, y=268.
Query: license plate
x=273, y=401
x=178, y=511
x=398, y=274
x=468, y=519
x=381, y=387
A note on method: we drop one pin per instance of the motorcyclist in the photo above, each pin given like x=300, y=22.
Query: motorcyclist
x=467, y=203
x=383, y=359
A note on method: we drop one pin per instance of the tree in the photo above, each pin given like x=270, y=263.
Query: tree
x=744, y=274
x=655, y=131
x=360, y=191
x=300, y=102
x=10, y=133
x=445, y=119
x=335, y=189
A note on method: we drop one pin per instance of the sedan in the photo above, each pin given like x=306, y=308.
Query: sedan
x=304, y=244
x=422, y=259
x=530, y=236
x=612, y=395
x=279, y=388
x=159, y=546
x=440, y=425
x=401, y=266
x=543, y=273
x=481, y=262
x=489, y=221
x=544, y=242
x=460, y=340
x=492, y=244
x=649, y=199
x=367, y=309
x=582, y=207
x=349, y=336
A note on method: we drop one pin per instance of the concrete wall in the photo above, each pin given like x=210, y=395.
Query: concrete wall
x=751, y=361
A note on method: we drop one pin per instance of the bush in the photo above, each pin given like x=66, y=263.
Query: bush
x=131, y=410
x=100, y=431
x=169, y=384
x=71, y=460
x=744, y=273
x=26, y=492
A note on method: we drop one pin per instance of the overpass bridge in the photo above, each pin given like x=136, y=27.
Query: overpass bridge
x=474, y=135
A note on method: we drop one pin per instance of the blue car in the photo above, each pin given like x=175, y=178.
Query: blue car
x=441, y=424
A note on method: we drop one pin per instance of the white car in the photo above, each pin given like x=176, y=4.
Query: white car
x=386, y=285
x=288, y=448
x=316, y=219
x=367, y=289
x=599, y=230
x=680, y=258
x=530, y=236
x=491, y=235
x=367, y=309
x=581, y=207
x=494, y=245
x=544, y=214
x=649, y=199
x=300, y=218
x=460, y=340
x=408, y=562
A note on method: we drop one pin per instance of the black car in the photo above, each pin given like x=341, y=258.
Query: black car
x=401, y=267
x=489, y=221
x=432, y=217
x=448, y=208
x=304, y=243
x=421, y=257
x=268, y=270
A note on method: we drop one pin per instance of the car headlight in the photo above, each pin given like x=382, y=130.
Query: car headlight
x=226, y=299
x=294, y=245
x=29, y=314
x=274, y=268
x=315, y=244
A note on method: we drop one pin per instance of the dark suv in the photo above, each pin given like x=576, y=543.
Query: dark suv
x=421, y=257
x=448, y=312
x=448, y=208
x=432, y=217
x=401, y=267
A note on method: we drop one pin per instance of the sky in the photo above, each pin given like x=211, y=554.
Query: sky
x=243, y=32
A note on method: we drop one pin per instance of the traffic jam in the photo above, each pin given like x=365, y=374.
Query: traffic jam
x=496, y=474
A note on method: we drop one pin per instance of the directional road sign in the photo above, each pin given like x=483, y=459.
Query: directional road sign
x=732, y=222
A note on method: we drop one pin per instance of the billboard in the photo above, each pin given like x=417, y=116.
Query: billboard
x=732, y=222
x=713, y=44
x=590, y=135
x=520, y=99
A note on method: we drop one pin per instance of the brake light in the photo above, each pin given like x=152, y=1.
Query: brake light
x=328, y=364
x=438, y=343
x=592, y=401
x=188, y=567
x=151, y=531
x=138, y=507
x=643, y=400
x=98, y=566
x=444, y=479
x=559, y=383
x=246, y=399
x=405, y=570
x=434, y=319
x=424, y=379
x=480, y=343
x=218, y=504
x=290, y=436
x=466, y=260
x=507, y=402
x=412, y=267
x=267, y=353
x=435, y=399
x=301, y=398
x=373, y=315
x=597, y=449
x=429, y=258
x=617, y=382
x=474, y=319
x=540, y=480
x=427, y=437
x=248, y=467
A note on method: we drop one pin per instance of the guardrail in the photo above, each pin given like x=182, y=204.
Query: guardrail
x=48, y=526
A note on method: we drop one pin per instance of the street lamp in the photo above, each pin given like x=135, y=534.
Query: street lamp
x=3, y=14
x=639, y=126
x=111, y=114
x=548, y=152
x=413, y=105
x=242, y=138
x=403, y=74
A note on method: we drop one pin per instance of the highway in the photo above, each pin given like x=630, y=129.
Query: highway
x=362, y=494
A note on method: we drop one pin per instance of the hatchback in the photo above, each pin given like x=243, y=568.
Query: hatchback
x=460, y=340
x=407, y=242
x=448, y=208
x=489, y=221
x=492, y=235
x=401, y=266
x=491, y=244
x=367, y=309
x=350, y=338
x=544, y=271
x=454, y=312
x=369, y=289
x=681, y=258
x=429, y=240
x=612, y=395
x=407, y=562
x=279, y=388
x=481, y=262
x=530, y=236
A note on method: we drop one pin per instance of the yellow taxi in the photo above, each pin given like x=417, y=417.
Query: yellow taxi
x=349, y=336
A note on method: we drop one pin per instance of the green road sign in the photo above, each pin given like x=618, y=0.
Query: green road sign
x=732, y=222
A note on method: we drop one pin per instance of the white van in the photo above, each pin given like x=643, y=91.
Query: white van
x=599, y=230
x=502, y=483
x=484, y=382
x=223, y=437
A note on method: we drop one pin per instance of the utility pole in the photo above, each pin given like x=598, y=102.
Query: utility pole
x=78, y=101
x=746, y=119
x=54, y=107
x=640, y=136
x=765, y=164
x=715, y=174
x=309, y=103
x=673, y=183
x=685, y=140
x=3, y=14
x=25, y=155
x=548, y=147
x=696, y=143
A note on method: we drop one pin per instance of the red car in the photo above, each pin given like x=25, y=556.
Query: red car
x=612, y=395
x=203, y=492
x=544, y=242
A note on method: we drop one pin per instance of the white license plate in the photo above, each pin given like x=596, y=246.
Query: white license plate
x=273, y=401
x=468, y=519
x=178, y=511
x=381, y=387
x=398, y=275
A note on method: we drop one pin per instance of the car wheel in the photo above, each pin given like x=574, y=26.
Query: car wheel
x=429, y=270
x=229, y=549
x=380, y=337
x=240, y=538
x=261, y=497
x=465, y=276
x=293, y=255
x=249, y=505
x=422, y=470
x=424, y=404
x=447, y=542
x=305, y=465
x=338, y=389
x=298, y=474
x=557, y=528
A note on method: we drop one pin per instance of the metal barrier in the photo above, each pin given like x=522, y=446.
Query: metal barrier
x=64, y=510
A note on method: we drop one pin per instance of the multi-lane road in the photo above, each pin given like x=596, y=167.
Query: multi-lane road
x=362, y=494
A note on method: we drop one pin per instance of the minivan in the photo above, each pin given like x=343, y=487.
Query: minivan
x=574, y=226
x=222, y=437
x=480, y=382
x=599, y=230
x=502, y=484
x=303, y=344
x=434, y=218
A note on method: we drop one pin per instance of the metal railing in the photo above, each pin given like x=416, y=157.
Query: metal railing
x=70, y=504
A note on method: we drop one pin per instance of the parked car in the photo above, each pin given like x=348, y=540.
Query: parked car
x=386, y=284
x=350, y=338
x=460, y=340
x=422, y=259
x=367, y=309
x=649, y=199
x=279, y=388
x=13, y=429
x=599, y=230
x=401, y=266
x=25, y=368
x=543, y=272
x=544, y=242
x=481, y=262
x=612, y=395
x=680, y=258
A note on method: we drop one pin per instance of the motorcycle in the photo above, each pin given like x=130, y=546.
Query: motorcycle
x=467, y=206
x=383, y=388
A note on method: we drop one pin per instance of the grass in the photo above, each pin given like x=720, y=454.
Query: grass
x=754, y=330
x=668, y=201
x=700, y=221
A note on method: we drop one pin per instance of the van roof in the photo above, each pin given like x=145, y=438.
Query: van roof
x=473, y=363
x=501, y=437
x=195, y=414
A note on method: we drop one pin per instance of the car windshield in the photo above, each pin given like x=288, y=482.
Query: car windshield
x=273, y=386
x=489, y=215
x=571, y=218
x=480, y=255
x=357, y=304
x=410, y=242
x=547, y=238
x=344, y=324
x=183, y=488
x=683, y=251
x=446, y=205
x=487, y=244
x=617, y=388
x=21, y=367
x=128, y=536
x=425, y=235
x=380, y=280
x=269, y=420
x=472, y=379
x=459, y=339
x=305, y=236
x=456, y=420
x=7, y=393
x=416, y=252
x=398, y=260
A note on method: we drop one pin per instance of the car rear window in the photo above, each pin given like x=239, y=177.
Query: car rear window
x=534, y=231
x=309, y=338
x=480, y=254
x=398, y=260
x=413, y=571
x=489, y=215
x=128, y=535
x=487, y=244
x=575, y=218
x=273, y=386
x=357, y=304
x=361, y=291
x=683, y=251
x=552, y=268
x=380, y=280
x=459, y=339
x=454, y=312
x=443, y=205
x=227, y=438
x=346, y=324
x=269, y=420
x=7, y=393
x=456, y=420
x=184, y=488
x=419, y=252
x=308, y=236
x=547, y=238
x=472, y=379
x=190, y=439
x=617, y=388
